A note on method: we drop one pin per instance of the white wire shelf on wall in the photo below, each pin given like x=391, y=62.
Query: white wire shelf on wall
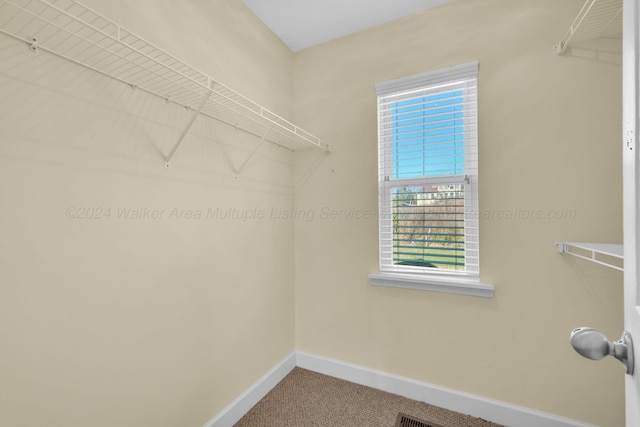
x=76, y=33
x=598, y=19
x=608, y=254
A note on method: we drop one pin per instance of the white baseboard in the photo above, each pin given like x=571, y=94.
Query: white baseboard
x=466, y=403
x=240, y=406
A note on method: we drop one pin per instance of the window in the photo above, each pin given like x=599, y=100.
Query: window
x=428, y=174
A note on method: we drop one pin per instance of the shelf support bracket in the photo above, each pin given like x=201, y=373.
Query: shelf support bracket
x=604, y=254
x=316, y=163
x=253, y=153
x=205, y=98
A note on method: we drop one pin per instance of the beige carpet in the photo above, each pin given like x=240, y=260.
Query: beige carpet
x=308, y=399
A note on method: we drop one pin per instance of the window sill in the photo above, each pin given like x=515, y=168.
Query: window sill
x=436, y=284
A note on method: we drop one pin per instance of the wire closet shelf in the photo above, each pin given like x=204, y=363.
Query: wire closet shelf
x=598, y=19
x=72, y=31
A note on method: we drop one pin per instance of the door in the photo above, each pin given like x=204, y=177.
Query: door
x=631, y=196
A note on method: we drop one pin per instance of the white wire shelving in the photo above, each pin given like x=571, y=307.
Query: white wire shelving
x=598, y=19
x=72, y=31
x=607, y=254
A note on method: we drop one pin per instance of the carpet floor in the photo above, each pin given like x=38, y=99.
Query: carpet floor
x=308, y=399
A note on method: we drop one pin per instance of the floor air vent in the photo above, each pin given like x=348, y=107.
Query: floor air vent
x=405, y=420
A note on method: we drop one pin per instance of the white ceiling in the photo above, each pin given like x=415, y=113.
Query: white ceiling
x=304, y=23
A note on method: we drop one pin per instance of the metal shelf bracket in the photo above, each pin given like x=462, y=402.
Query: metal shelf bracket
x=607, y=254
x=253, y=153
x=194, y=116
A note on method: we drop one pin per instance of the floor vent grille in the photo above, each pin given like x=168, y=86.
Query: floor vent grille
x=405, y=420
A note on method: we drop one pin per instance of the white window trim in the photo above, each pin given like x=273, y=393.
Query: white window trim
x=465, y=283
x=428, y=282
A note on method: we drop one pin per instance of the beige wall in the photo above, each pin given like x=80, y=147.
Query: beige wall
x=549, y=134
x=140, y=322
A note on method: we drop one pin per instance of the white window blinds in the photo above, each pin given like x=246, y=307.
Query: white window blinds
x=428, y=168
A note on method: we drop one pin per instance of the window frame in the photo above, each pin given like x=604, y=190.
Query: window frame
x=466, y=281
